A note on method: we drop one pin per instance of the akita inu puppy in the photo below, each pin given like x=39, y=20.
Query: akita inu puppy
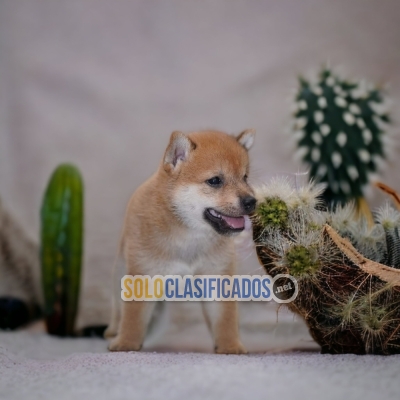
x=181, y=221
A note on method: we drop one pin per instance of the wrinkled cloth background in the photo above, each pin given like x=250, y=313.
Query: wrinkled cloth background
x=103, y=84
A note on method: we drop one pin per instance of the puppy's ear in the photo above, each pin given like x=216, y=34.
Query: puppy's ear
x=246, y=138
x=177, y=151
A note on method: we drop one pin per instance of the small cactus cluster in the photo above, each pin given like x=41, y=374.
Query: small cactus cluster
x=339, y=128
x=379, y=241
x=62, y=248
x=347, y=270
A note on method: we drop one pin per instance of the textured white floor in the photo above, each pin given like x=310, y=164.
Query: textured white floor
x=147, y=375
x=34, y=365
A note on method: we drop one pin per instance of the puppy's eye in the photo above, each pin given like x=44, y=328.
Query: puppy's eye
x=215, y=181
x=245, y=178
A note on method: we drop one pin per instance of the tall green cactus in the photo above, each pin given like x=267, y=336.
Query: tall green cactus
x=61, y=248
x=339, y=129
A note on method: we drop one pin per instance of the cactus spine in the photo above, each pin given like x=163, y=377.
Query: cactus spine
x=61, y=248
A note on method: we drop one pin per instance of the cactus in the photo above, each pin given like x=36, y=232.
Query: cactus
x=349, y=302
x=61, y=248
x=339, y=129
x=389, y=219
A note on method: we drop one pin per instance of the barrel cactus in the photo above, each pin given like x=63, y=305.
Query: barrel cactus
x=347, y=270
x=339, y=128
x=61, y=248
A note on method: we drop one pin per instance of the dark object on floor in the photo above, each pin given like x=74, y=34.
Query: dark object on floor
x=94, y=331
x=13, y=313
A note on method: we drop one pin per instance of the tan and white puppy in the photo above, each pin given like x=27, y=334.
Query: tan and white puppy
x=182, y=221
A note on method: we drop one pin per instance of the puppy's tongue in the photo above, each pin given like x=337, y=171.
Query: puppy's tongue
x=234, y=222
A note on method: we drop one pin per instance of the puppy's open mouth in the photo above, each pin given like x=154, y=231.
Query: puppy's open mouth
x=223, y=224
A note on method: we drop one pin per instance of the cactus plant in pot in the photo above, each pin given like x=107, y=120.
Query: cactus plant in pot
x=347, y=270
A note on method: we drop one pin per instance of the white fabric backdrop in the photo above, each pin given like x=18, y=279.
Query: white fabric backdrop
x=103, y=83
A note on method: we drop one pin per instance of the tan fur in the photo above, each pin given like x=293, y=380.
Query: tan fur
x=165, y=232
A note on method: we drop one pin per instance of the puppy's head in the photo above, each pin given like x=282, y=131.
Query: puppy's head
x=207, y=176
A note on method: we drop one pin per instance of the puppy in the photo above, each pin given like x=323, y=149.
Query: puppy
x=181, y=221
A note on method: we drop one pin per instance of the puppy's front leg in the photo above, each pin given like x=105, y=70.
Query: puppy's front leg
x=133, y=325
x=112, y=328
x=222, y=319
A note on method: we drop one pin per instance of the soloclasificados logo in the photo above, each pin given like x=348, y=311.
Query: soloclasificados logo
x=281, y=288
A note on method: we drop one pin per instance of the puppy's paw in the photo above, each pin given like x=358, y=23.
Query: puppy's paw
x=231, y=348
x=120, y=345
x=109, y=333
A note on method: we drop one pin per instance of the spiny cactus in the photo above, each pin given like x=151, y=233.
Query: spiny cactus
x=380, y=241
x=339, y=129
x=302, y=260
x=389, y=219
x=274, y=212
x=350, y=302
x=61, y=248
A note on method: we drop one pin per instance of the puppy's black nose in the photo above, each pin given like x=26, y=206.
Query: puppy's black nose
x=248, y=203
